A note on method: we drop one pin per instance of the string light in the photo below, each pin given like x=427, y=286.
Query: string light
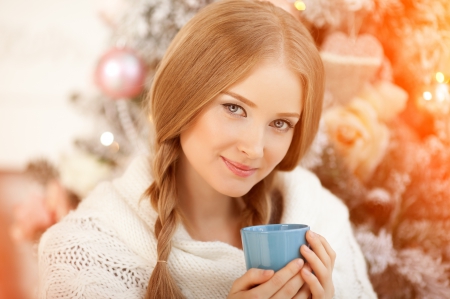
x=300, y=5
x=107, y=138
x=440, y=77
x=436, y=100
x=427, y=96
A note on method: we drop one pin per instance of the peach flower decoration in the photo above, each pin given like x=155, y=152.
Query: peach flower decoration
x=358, y=136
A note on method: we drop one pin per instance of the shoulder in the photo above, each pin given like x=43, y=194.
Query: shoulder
x=103, y=242
x=111, y=213
x=79, y=256
x=307, y=201
x=303, y=190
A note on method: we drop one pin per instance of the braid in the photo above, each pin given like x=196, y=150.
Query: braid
x=162, y=193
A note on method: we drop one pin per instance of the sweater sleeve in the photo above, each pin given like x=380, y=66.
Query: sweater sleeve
x=307, y=201
x=350, y=276
x=81, y=258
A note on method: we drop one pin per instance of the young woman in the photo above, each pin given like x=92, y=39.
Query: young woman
x=235, y=104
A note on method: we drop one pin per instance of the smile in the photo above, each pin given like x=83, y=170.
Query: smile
x=239, y=169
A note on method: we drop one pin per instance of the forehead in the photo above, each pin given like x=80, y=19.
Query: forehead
x=271, y=85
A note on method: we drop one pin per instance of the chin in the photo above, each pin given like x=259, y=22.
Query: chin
x=234, y=191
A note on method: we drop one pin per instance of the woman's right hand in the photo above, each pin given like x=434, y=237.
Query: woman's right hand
x=262, y=284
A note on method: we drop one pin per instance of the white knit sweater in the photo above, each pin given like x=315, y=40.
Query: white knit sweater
x=106, y=247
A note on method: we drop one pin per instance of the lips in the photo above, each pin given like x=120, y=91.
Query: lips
x=239, y=169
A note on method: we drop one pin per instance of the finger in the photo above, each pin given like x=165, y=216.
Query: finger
x=315, y=240
x=251, y=278
x=279, y=279
x=330, y=251
x=291, y=288
x=316, y=264
x=308, y=267
x=314, y=284
x=304, y=292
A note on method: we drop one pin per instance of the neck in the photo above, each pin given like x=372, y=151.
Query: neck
x=207, y=213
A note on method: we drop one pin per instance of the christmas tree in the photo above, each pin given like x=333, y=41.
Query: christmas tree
x=383, y=144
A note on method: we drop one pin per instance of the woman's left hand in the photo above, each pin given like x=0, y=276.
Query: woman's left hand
x=321, y=260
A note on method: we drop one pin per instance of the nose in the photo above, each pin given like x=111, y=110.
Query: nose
x=252, y=143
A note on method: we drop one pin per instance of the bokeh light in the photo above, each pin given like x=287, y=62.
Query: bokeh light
x=107, y=138
x=300, y=5
x=442, y=93
x=440, y=77
x=427, y=96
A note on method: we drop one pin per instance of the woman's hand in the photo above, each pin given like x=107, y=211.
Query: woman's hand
x=321, y=260
x=262, y=284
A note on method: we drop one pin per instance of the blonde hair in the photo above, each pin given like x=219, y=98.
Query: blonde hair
x=220, y=45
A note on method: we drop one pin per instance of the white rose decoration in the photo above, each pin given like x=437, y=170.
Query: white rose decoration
x=387, y=98
x=358, y=136
x=81, y=172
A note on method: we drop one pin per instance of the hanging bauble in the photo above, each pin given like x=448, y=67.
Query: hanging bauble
x=349, y=63
x=120, y=73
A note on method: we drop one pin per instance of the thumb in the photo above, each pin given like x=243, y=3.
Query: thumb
x=251, y=278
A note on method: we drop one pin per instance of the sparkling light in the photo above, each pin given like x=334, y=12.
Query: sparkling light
x=427, y=96
x=440, y=77
x=300, y=5
x=107, y=138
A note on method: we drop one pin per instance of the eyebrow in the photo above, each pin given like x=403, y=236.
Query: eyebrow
x=240, y=98
x=253, y=105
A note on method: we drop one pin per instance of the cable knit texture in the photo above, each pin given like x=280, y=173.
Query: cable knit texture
x=106, y=248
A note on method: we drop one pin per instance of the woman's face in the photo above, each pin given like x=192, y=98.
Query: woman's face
x=239, y=138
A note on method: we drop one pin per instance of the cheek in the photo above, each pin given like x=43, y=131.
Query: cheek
x=277, y=148
x=218, y=131
x=207, y=136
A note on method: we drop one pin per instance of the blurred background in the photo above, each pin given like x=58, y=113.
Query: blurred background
x=73, y=79
x=48, y=49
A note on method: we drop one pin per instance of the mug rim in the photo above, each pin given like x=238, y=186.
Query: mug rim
x=249, y=230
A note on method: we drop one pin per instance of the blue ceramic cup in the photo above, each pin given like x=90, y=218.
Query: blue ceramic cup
x=272, y=246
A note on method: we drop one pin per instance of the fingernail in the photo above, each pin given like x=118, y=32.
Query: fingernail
x=312, y=234
x=306, y=271
x=300, y=262
x=307, y=248
x=267, y=272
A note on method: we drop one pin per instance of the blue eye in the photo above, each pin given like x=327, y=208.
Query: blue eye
x=235, y=110
x=279, y=124
x=282, y=125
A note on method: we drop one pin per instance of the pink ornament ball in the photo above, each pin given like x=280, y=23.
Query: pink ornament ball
x=120, y=73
